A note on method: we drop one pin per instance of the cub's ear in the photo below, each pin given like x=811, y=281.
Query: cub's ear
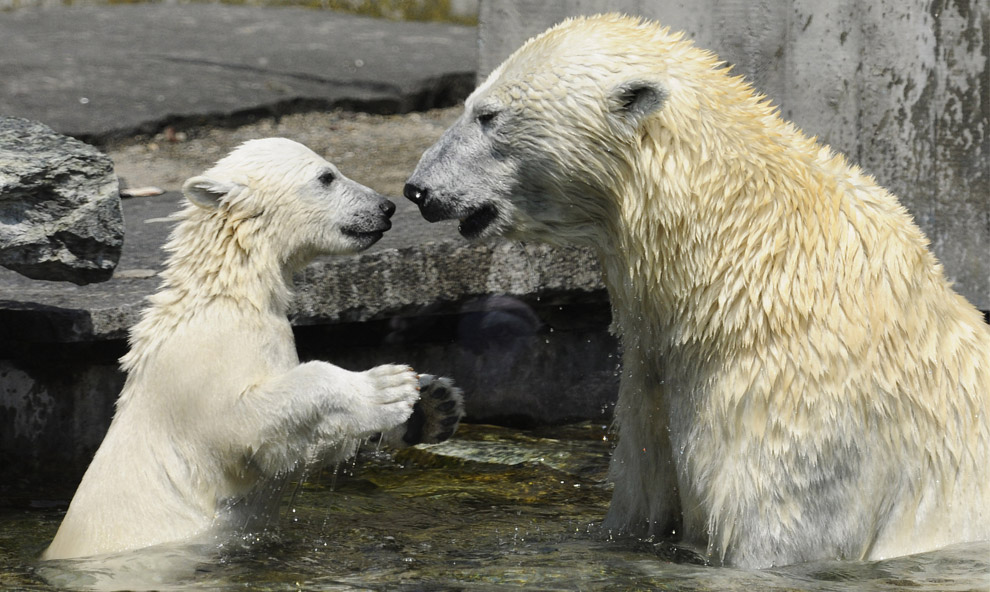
x=637, y=99
x=205, y=192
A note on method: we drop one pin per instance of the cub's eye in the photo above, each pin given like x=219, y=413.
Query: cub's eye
x=327, y=177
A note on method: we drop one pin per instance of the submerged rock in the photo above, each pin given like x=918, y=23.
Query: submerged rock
x=60, y=215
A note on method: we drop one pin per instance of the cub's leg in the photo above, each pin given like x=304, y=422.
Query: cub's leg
x=317, y=407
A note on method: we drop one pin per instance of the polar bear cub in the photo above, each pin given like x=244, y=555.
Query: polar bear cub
x=216, y=411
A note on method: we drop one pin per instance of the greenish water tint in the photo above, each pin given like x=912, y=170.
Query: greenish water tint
x=492, y=509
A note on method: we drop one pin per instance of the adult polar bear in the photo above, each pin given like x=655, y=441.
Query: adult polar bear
x=217, y=413
x=799, y=380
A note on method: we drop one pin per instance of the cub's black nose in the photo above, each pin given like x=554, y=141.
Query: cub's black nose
x=387, y=207
x=415, y=194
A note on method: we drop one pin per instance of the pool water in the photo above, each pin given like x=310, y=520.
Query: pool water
x=494, y=508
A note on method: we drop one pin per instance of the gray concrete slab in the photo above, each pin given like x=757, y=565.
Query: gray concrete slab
x=102, y=71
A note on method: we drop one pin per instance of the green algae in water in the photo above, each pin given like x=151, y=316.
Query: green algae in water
x=492, y=509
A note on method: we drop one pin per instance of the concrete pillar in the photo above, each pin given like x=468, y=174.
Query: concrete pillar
x=902, y=87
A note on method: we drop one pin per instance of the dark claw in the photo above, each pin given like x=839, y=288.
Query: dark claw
x=450, y=421
x=445, y=435
x=447, y=406
x=441, y=392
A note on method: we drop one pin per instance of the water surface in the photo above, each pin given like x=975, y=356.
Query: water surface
x=492, y=509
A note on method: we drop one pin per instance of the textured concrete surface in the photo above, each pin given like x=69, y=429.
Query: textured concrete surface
x=110, y=71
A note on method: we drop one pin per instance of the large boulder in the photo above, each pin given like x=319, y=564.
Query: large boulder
x=60, y=216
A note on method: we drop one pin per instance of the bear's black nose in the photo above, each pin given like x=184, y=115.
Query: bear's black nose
x=415, y=194
x=387, y=207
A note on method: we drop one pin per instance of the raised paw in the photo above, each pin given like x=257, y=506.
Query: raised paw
x=393, y=383
x=435, y=416
x=393, y=392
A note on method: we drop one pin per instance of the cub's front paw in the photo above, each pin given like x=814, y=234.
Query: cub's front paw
x=392, y=394
x=435, y=416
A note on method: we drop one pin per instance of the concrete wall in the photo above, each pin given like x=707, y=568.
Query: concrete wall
x=900, y=86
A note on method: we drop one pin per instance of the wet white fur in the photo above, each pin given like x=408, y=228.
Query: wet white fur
x=217, y=412
x=800, y=381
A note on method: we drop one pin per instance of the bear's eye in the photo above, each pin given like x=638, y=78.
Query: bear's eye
x=327, y=177
x=485, y=118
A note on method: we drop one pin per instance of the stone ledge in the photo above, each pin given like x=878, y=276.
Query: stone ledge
x=436, y=278
x=439, y=277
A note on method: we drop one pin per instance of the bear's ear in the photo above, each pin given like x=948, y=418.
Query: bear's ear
x=637, y=99
x=205, y=192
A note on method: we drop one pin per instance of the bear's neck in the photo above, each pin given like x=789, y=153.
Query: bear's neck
x=216, y=257
x=214, y=261
x=735, y=243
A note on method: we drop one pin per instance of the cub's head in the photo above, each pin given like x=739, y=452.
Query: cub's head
x=552, y=140
x=281, y=193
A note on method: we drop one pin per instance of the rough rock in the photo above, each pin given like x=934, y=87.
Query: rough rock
x=60, y=214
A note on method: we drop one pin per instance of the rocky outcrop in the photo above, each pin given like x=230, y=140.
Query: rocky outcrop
x=60, y=215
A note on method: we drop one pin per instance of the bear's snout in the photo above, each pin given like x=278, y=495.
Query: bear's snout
x=428, y=205
x=387, y=207
x=415, y=194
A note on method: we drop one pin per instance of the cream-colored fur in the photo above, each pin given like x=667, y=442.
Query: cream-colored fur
x=217, y=413
x=800, y=381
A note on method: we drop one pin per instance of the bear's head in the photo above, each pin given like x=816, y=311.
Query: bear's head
x=278, y=194
x=550, y=142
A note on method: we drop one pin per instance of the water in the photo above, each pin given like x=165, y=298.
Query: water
x=492, y=509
